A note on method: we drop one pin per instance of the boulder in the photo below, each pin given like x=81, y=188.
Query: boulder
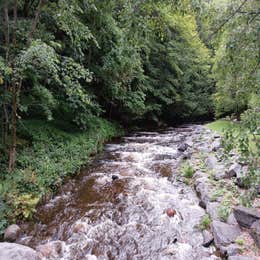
x=255, y=232
x=211, y=162
x=224, y=234
x=234, y=170
x=12, y=251
x=230, y=250
x=212, y=210
x=207, y=238
x=232, y=220
x=12, y=233
x=51, y=249
x=215, y=145
x=240, y=177
x=246, y=216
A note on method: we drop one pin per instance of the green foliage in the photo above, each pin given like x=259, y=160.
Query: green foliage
x=187, y=170
x=54, y=152
x=205, y=222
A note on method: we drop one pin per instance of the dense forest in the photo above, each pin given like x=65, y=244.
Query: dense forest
x=74, y=73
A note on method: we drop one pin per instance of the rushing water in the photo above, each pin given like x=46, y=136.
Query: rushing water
x=97, y=218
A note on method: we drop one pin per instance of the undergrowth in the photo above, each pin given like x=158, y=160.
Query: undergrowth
x=47, y=154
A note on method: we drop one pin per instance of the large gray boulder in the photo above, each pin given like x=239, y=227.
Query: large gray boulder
x=224, y=234
x=255, y=232
x=246, y=216
x=12, y=251
x=12, y=233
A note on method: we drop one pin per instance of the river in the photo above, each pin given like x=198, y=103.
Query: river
x=95, y=217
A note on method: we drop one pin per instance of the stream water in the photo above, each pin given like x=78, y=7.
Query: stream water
x=95, y=217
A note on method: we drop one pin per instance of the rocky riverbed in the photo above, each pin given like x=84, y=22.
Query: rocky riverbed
x=168, y=194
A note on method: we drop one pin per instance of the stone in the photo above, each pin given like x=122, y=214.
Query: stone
x=234, y=170
x=240, y=177
x=12, y=233
x=115, y=177
x=212, y=210
x=246, y=216
x=211, y=162
x=13, y=251
x=232, y=220
x=255, y=232
x=207, y=238
x=203, y=189
x=183, y=147
x=215, y=145
x=240, y=257
x=224, y=234
x=51, y=249
x=230, y=250
x=170, y=212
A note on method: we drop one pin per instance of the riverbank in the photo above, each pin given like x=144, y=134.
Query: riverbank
x=232, y=213
x=47, y=155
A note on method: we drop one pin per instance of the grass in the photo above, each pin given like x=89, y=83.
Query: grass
x=205, y=222
x=187, y=170
x=47, y=154
x=220, y=126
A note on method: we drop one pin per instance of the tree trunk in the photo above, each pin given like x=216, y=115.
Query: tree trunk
x=7, y=45
x=35, y=21
x=12, y=154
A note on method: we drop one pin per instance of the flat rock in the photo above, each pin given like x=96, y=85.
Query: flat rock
x=12, y=251
x=246, y=216
x=207, y=238
x=255, y=232
x=224, y=234
x=12, y=233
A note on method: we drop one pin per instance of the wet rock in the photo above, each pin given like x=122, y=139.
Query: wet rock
x=255, y=232
x=212, y=210
x=224, y=234
x=170, y=212
x=230, y=250
x=216, y=145
x=12, y=233
x=246, y=216
x=234, y=170
x=207, y=238
x=183, y=147
x=12, y=251
x=211, y=162
x=115, y=177
x=51, y=249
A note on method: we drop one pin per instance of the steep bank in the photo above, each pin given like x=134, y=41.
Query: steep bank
x=48, y=154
